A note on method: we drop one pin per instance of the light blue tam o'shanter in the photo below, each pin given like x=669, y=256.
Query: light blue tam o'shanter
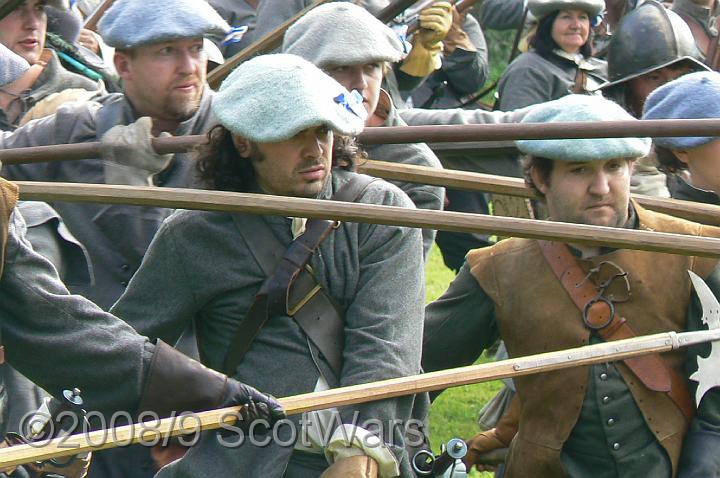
x=692, y=96
x=576, y=108
x=12, y=65
x=133, y=23
x=341, y=34
x=271, y=98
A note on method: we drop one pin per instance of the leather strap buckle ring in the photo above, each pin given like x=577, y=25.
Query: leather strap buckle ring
x=586, y=311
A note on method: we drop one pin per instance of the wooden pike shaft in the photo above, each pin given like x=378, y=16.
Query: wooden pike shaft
x=692, y=211
x=705, y=214
x=561, y=130
x=416, y=134
x=269, y=42
x=339, y=397
x=92, y=21
x=371, y=213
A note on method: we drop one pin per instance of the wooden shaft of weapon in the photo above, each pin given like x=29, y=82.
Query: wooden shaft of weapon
x=563, y=130
x=92, y=21
x=463, y=5
x=265, y=204
x=338, y=397
x=703, y=213
x=423, y=134
x=692, y=211
x=270, y=41
x=393, y=10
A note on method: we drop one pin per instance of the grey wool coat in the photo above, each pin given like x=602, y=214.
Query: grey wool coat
x=424, y=196
x=534, y=78
x=199, y=269
x=61, y=341
x=116, y=237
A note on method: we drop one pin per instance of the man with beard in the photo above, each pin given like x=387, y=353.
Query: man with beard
x=606, y=420
x=285, y=129
x=162, y=67
x=321, y=36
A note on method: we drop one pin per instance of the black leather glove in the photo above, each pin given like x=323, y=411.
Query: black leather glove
x=257, y=405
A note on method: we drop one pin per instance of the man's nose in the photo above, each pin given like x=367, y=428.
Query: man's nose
x=600, y=185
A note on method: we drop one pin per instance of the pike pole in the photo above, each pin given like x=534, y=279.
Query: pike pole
x=415, y=134
x=265, y=204
x=339, y=397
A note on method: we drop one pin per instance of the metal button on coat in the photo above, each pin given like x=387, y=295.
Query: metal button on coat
x=124, y=284
x=611, y=422
x=606, y=399
x=616, y=446
x=125, y=267
x=603, y=376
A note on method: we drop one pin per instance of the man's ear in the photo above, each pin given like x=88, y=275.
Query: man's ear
x=244, y=146
x=122, y=65
x=681, y=155
x=538, y=180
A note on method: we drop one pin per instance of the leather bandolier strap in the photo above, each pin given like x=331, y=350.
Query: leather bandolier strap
x=290, y=288
x=600, y=316
x=580, y=85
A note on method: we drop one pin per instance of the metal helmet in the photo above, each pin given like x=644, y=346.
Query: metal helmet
x=649, y=38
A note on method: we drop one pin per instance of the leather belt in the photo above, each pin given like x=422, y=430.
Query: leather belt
x=599, y=315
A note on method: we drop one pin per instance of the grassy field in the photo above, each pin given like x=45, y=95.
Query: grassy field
x=454, y=413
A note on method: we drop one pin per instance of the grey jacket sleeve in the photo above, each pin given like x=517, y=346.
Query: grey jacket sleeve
x=159, y=301
x=383, y=326
x=418, y=116
x=62, y=341
x=524, y=83
x=467, y=71
x=459, y=325
x=701, y=449
x=72, y=123
x=501, y=14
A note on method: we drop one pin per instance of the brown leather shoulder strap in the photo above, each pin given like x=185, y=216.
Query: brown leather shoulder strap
x=580, y=86
x=283, y=267
x=599, y=315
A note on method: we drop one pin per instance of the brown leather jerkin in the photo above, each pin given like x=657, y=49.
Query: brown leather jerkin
x=651, y=370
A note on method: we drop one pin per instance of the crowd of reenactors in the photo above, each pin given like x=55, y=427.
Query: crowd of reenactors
x=165, y=310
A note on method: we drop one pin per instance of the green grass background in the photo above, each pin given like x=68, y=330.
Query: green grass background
x=454, y=413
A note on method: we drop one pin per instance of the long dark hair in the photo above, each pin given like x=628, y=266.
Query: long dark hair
x=221, y=167
x=543, y=42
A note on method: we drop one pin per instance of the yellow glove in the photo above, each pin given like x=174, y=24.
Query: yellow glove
x=420, y=61
x=426, y=54
x=435, y=22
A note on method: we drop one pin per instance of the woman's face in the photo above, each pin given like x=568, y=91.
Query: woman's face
x=571, y=30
